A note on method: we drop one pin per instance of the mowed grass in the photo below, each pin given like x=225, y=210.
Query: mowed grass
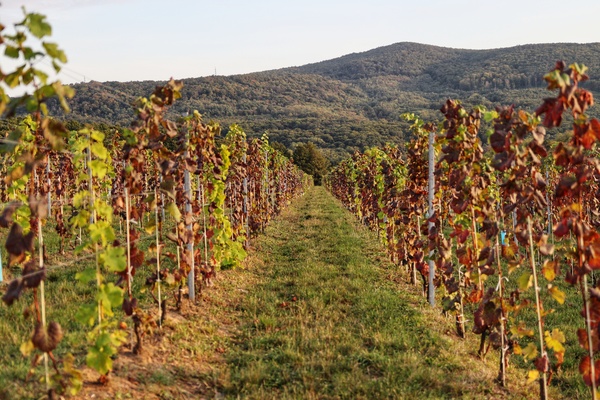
x=331, y=318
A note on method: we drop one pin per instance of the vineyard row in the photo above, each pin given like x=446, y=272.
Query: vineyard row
x=486, y=229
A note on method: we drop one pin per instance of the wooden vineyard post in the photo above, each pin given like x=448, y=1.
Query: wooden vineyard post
x=162, y=205
x=588, y=327
x=128, y=242
x=550, y=233
x=503, y=347
x=245, y=205
x=414, y=266
x=266, y=191
x=538, y=308
x=43, y=297
x=181, y=282
x=476, y=248
x=160, y=311
x=204, y=225
x=430, y=224
x=190, y=246
x=49, y=185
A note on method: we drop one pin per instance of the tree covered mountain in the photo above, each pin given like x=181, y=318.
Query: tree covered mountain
x=354, y=101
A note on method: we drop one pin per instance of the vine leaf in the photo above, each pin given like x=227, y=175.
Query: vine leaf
x=17, y=243
x=47, y=338
x=37, y=25
x=6, y=218
x=583, y=339
x=555, y=340
x=525, y=281
x=541, y=364
x=32, y=275
x=585, y=368
x=557, y=294
x=114, y=259
x=549, y=270
x=13, y=291
x=172, y=209
x=99, y=355
x=533, y=375
x=530, y=352
x=26, y=348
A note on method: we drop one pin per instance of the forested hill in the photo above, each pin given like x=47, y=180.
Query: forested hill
x=354, y=101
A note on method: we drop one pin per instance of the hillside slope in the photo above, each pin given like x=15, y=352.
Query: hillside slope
x=354, y=101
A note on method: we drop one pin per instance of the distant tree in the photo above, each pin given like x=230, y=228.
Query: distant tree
x=311, y=160
x=280, y=147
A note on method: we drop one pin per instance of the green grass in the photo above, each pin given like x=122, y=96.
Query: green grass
x=352, y=332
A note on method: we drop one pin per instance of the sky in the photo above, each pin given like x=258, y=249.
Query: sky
x=133, y=40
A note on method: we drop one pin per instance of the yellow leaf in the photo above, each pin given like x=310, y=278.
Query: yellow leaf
x=557, y=294
x=549, y=270
x=525, y=281
x=555, y=340
x=521, y=330
x=575, y=207
x=26, y=348
x=517, y=349
x=530, y=352
x=533, y=376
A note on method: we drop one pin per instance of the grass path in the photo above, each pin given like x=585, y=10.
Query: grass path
x=327, y=317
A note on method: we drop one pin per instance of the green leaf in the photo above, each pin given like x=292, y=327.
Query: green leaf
x=173, y=211
x=37, y=25
x=111, y=296
x=74, y=376
x=12, y=80
x=81, y=220
x=80, y=198
x=56, y=66
x=101, y=231
x=87, y=314
x=99, y=150
x=99, y=355
x=114, y=259
x=525, y=281
x=103, y=210
x=42, y=76
x=97, y=136
x=580, y=68
x=12, y=52
x=54, y=52
x=27, y=77
x=530, y=352
x=99, y=168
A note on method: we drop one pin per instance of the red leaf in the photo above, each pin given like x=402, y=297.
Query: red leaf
x=541, y=364
x=562, y=228
x=585, y=369
x=475, y=296
x=583, y=339
x=595, y=127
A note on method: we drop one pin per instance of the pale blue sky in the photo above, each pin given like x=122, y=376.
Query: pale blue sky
x=126, y=40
